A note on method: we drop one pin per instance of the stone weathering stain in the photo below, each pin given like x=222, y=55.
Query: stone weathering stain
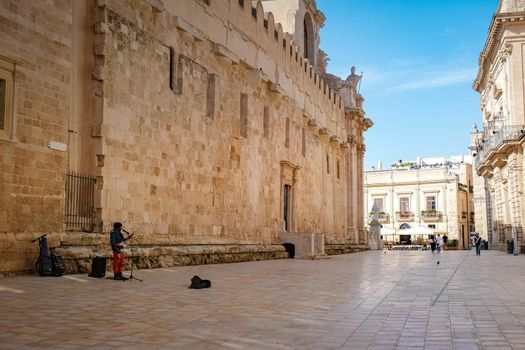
x=208, y=132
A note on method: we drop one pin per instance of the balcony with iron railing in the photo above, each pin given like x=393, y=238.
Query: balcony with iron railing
x=431, y=215
x=404, y=216
x=495, y=139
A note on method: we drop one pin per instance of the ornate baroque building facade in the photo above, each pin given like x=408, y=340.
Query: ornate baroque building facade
x=209, y=128
x=431, y=192
x=498, y=146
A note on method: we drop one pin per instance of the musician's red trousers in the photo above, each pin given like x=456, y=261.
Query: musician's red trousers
x=118, y=262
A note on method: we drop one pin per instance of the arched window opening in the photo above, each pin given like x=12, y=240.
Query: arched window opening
x=308, y=30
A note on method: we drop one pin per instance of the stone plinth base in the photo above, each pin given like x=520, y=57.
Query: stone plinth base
x=78, y=258
x=499, y=246
x=307, y=245
x=336, y=249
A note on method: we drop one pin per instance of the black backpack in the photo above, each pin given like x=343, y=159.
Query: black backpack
x=198, y=283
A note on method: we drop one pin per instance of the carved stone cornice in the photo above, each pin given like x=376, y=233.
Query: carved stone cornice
x=289, y=171
x=353, y=113
x=357, y=116
x=335, y=140
x=499, y=21
x=367, y=124
x=313, y=126
x=345, y=147
x=324, y=134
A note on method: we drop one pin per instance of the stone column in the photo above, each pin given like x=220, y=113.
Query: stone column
x=491, y=237
x=351, y=200
x=498, y=207
x=515, y=188
x=363, y=238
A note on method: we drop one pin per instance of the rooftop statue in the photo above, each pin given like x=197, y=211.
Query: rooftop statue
x=354, y=78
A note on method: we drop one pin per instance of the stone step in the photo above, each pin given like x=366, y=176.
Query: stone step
x=337, y=249
x=78, y=258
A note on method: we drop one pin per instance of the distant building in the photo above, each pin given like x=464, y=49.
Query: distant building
x=430, y=192
x=498, y=147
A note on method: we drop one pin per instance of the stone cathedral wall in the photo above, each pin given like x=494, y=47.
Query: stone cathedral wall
x=36, y=44
x=189, y=114
x=192, y=159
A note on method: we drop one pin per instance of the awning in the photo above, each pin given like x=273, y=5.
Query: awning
x=387, y=231
x=421, y=230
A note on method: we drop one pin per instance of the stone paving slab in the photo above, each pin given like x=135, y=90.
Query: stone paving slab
x=370, y=300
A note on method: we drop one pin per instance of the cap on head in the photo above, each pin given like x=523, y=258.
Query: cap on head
x=117, y=225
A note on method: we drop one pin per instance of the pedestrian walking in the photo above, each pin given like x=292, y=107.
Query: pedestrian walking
x=477, y=242
x=439, y=242
x=432, y=242
x=445, y=241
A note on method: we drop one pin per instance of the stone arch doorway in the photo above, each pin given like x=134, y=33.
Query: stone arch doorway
x=404, y=239
x=404, y=226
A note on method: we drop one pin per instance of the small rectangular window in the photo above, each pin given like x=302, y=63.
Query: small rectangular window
x=404, y=204
x=431, y=203
x=266, y=122
x=3, y=90
x=244, y=115
x=172, y=69
x=287, y=133
x=6, y=98
x=327, y=164
x=210, y=97
x=303, y=143
x=338, y=169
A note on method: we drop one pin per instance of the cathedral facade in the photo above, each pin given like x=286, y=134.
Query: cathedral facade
x=209, y=128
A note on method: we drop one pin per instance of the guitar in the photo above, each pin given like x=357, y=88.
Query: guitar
x=120, y=246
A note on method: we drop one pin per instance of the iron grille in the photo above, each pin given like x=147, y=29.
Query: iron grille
x=80, y=199
x=495, y=139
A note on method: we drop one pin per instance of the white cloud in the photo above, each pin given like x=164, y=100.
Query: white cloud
x=410, y=74
x=435, y=79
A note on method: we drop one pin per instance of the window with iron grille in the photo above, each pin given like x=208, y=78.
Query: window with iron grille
x=6, y=98
x=80, y=202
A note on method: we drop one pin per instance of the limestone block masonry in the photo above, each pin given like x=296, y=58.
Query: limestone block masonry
x=208, y=133
x=498, y=146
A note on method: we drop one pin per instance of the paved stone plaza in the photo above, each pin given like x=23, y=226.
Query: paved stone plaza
x=397, y=300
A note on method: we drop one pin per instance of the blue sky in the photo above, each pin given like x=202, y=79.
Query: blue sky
x=419, y=59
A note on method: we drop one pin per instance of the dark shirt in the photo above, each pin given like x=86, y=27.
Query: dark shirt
x=115, y=238
x=477, y=241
